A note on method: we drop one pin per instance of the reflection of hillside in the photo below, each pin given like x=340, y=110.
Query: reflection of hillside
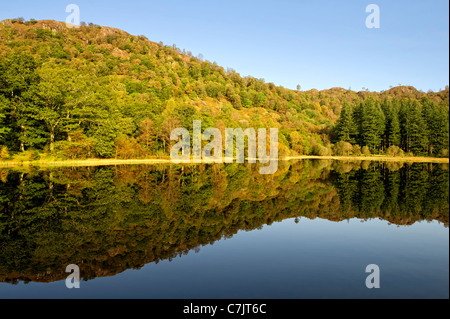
x=109, y=219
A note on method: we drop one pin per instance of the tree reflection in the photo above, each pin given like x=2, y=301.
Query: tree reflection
x=114, y=218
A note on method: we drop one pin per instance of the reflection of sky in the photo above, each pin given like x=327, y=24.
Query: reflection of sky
x=312, y=259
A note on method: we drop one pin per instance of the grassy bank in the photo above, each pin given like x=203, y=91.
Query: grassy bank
x=86, y=162
x=422, y=159
x=167, y=160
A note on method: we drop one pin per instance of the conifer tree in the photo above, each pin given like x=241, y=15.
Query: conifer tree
x=372, y=125
x=347, y=130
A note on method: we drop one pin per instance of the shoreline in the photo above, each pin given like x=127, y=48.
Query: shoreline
x=417, y=159
x=106, y=161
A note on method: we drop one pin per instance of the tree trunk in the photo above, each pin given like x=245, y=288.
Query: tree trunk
x=22, y=147
x=52, y=140
x=50, y=181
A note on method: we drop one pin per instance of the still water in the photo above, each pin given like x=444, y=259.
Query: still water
x=225, y=231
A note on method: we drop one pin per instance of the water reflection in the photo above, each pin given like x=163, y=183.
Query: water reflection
x=109, y=219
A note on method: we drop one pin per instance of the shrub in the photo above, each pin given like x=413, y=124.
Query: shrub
x=443, y=153
x=342, y=148
x=365, y=151
x=79, y=146
x=26, y=156
x=320, y=150
x=73, y=150
x=299, y=143
x=356, y=150
x=128, y=148
x=4, y=154
x=31, y=22
x=394, y=151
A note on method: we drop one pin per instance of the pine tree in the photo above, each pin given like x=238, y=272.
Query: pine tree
x=346, y=127
x=414, y=128
x=436, y=118
x=392, y=124
x=372, y=125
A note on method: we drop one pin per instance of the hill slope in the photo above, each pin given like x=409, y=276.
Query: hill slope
x=100, y=92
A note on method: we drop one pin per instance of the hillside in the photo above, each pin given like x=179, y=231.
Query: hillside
x=100, y=92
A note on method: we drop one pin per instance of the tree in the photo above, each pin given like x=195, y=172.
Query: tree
x=394, y=151
x=346, y=127
x=298, y=143
x=394, y=136
x=4, y=129
x=365, y=150
x=414, y=130
x=52, y=97
x=392, y=129
x=320, y=150
x=372, y=124
x=170, y=123
x=437, y=121
x=146, y=133
x=17, y=77
x=127, y=148
x=342, y=148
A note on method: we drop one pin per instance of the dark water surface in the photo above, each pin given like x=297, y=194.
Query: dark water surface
x=225, y=231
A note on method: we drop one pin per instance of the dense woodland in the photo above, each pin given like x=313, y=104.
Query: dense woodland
x=114, y=218
x=418, y=127
x=100, y=92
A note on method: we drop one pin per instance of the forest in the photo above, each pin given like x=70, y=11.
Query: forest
x=395, y=127
x=99, y=92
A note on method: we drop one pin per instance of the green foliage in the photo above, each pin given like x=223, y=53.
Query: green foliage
x=415, y=132
x=416, y=126
x=27, y=156
x=342, y=149
x=43, y=34
x=300, y=143
x=77, y=147
x=436, y=117
x=356, y=150
x=128, y=148
x=4, y=154
x=444, y=153
x=372, y=124
x=4, y=129
x=347, y=130
x=365, y=151
x=320, y=150
x=394, y=151
x=393, y=133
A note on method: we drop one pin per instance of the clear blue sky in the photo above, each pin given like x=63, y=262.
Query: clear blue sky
x=317, y=44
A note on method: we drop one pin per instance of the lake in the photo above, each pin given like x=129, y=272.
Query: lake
x=226, y=231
